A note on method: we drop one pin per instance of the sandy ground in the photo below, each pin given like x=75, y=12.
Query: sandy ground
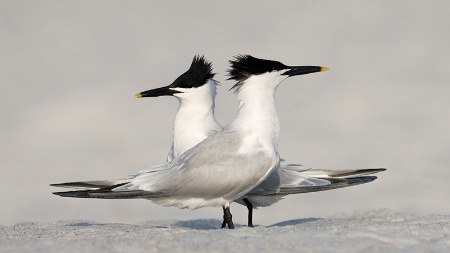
x=375, y=231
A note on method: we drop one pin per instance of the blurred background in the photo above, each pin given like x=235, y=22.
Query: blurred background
x=69, y=71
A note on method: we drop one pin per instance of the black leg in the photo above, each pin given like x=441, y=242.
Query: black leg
x=224, y=223
x=250, y=212
x=227, y=218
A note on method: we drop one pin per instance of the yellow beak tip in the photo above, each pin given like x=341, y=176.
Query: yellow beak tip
x=138, y=95
x=324, y=69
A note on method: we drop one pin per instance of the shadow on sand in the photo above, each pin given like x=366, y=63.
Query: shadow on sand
x=294, y=222
x=208, y=224
x=202, y=224
x=81, y=223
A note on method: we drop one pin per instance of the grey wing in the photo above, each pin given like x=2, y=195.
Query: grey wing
x=211, y=169
x=288, y=181
x=332, y=183
x=336, y=178
x=335, y=183
x=106, y=189
x=290, y=176
x=285, y=178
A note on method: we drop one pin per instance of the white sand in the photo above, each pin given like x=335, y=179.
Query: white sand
x=375, y=231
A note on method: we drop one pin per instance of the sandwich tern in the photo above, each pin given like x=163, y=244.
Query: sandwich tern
x=247, y=147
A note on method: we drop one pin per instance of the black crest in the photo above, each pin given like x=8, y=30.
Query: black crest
x=244, y=66
x=196, y=76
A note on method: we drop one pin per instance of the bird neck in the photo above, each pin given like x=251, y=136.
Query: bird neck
x=194, y=122
x=257, y=110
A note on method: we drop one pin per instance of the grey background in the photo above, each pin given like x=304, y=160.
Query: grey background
x=69, y=71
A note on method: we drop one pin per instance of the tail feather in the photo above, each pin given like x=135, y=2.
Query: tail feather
x=335, y=184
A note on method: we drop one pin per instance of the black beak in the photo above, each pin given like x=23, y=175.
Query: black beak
x=163, y=91
x=302, y=70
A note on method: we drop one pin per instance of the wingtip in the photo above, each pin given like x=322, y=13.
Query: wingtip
x=74, y=194
x=61, y=194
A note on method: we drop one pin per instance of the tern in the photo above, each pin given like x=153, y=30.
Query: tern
x=224, y=164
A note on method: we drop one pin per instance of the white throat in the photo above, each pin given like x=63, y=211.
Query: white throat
x=194, y=120
x=257, y=108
